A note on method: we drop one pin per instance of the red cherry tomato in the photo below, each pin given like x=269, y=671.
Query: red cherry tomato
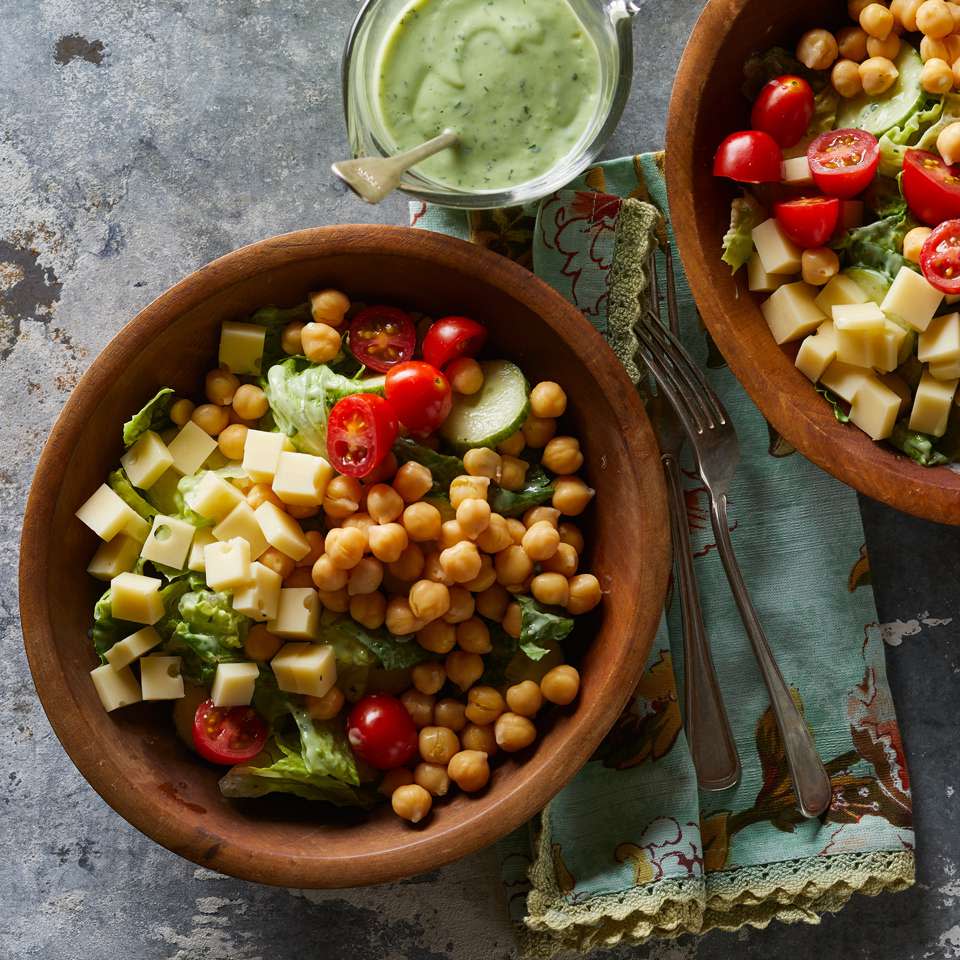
x=228, y=735
x=451, y=338
x=420, y=395
x=844, y=162
x=381, y=337
x=940, y=257
x=930, y=187
x=808, y=221
x=361, y=429
x=381, y=732
x=784, y=109
x=750, y=156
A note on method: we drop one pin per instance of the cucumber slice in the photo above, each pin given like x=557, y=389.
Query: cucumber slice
x=877, y=115
x=496, y=411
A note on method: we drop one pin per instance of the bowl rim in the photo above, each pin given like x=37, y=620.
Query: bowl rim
x=155, y=816
x=873, y=469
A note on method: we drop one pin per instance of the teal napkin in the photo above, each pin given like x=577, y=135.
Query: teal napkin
x=630, y=849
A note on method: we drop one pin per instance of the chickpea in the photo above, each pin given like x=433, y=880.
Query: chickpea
x=327, y=576
x=486, y=578
x=817, y=49
x=342, y=497
x=408, y=565
x=513, y=445
x=433, y=778
x=571, y=495
x=327, y=706
x=181, y=411
x=514, y=732
x=878, y=74
x=467, y=487
x=210, y=418
x=888, y=48
x=514, y=473
x=413, y=481
x=220, y=386
x=321, y=343
x=914, y=240
x=564, y=561
x=473, y=517
x=905, y=11
x=585, y=593
x=936, y=76
x=437, y=637
x=931, y=49
x=483, y=739
x=473, y=635
x=464, y=669
x=512, y=621
x=232, y=440
x=461, y=562
x=337, y=601
x=384, y=471
x=845, y=78
x=819, y=265
x=250, y=402
x=484, y=705
x=433, y=571
x=389, y=543
x=547, y=399
x=451, y=533
x=365, y=577
x=462, y=605
x=525, y=698
x=562, y=455
x=852, y=43
x=261, y=644
x=540, y=542
x=517, y=530
x=315, y=538
x=493, y=603
x=551, y=589
x=422, y=521
x=420, y=707
x=301, y=577
x=482, y=462
x=290, y=338
x=953, y=46
x=345, y=547
x=496, y=536
x=560, y=685
x=538, y=431
x=513, y=565
x=428, y=677
x=329, y=306
x=876, y=21
x=438, y=744
x=399, y=618
x=369, y=610
x=450, y=713
x=278, y=562
x=569, y=533
x=934, y=19
x=411, y=802
x=384, y=504
x=428, y=600
x=541, y=513
x=299, y=512
x=465, y=376
x=469, y=770
x=948, y=146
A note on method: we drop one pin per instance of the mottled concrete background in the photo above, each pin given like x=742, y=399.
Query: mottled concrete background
x=138, y=140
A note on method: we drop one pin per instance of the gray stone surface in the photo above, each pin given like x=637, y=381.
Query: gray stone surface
x=138, y=140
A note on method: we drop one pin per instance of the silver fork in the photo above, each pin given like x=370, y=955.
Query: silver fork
x=717, y=450
x=712, y=746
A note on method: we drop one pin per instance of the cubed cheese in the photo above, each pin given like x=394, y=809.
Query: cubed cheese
x=817, y=352
x=844, y=380
x=114, y=557
x=301, y=479
x=190, y=448
x=874, y=409
x=241, y=522
x=796, y=171
x=912, y=300
x=160, y=678
x=241, y=347
x=107, y=515
x=227, y=564
x=759, y=281
x=305, y=668
x=839, y=290
x=261, y=451
x=777, y=252
x=943, y=370
x=941, y=340
x=260, y=600
x=125, y=651
x=169, y=542
x=116, y=688
x=233, y=684
x=147, y=460
x=282, y=531
x=201, y=539
x=862, y=345
x=299, y=614
x=213, y=497
x=858, y=316
x=931, y=405
x=136, y=598
x=791, y=313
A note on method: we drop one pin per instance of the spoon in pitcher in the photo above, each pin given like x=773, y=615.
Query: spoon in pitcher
x=374, y=178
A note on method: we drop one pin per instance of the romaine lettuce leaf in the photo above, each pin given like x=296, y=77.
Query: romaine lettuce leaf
x=917, y=446
x=204, y=630
x=186, y=486
x=119, y=482
x=445, y=468
x=154, y=416
x=355, y=645
x=838, y=409
x=825, y=106
x=324, y=747
x=537, y=489
x=503, y=650
x=898, y=140
x=745, y=214
x=275, y=319
x=878, y=245
x=949, y=113
x=538, y=625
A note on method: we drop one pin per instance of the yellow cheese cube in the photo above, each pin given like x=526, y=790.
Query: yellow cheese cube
x=227, y=564
x=261, y=451
x=858, y=316
x=912, y=300
x=242, y=522
x=114, y=557
x=298, y=616
x=190, y=448
x=301, y=479
x=241, y=347
x=942, y=370
x=931, y=405
x=169, y=542
x=759, y=281
x=862, y=346
x=817, y=352
x=213, y=497
x=125, y=651
x=115, y=688
x=306, y=668
x=233, y=684
x=282, y=531
x=160, y=678
x=844, y=380
x=260, y=600
x=106, y=515
x=839, y=290
x=941, y=340
x=147, y=461
x=136, y=598
x=777, y=252
x=201, y=539
x=874, y=409
x=795, y=171
x=791, y=313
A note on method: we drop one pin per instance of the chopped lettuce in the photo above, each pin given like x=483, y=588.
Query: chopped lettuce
x=949, y=113
x=275, y=319
x=917, y=446
x=539, y=625
x=503, y=650
x=839, y=411
x=537, y=489
x=107, y=630
x=878, y=114
x=186, y=485
x=324, y=746
x=154, y=416
x=119, y=482
x=445, y=468
x=355, y=645
x=204, y=630
x=885, y=199
x=745, y=214
x=878, y=245
x=898, y=140
x=825, y=106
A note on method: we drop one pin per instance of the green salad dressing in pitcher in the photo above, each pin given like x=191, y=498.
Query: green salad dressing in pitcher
x=519, y=80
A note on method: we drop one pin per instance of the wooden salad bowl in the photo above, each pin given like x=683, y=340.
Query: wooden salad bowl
x=133, y=758
x=707, y=105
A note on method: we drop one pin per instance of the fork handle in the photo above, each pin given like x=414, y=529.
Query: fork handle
x=810, y=780
x=709, y=736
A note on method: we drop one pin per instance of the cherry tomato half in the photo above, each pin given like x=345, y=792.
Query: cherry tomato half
x=844, y=162
x=940, y=257
x=930, y=187
x=784, y=109
x=808, y=221
x=381, y=731
x=228, y=735
x=381, y=337
x=361, y=429
x=420, y=395
x=452, y=338
x=750, y=156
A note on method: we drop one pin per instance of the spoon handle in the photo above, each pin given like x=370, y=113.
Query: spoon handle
x=403, y=161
